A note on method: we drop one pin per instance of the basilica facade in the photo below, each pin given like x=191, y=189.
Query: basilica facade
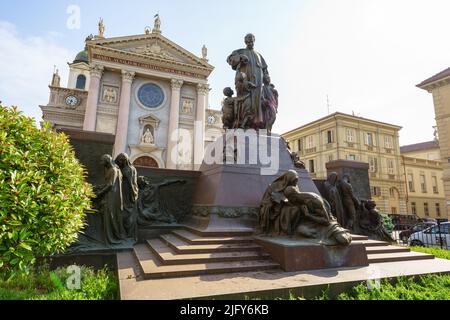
x=146, y=90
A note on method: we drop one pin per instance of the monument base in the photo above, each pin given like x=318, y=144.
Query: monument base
x=305, y=254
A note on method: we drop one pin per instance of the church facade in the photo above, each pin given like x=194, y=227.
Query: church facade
x=147, y=91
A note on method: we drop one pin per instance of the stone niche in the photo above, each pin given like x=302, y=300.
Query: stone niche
x=89, y=148
x=358, y=173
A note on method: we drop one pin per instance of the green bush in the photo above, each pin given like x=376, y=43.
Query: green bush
x=43, y=284
x=388, y=224
x=43, y=194
x=437, y=252
x=431, y=287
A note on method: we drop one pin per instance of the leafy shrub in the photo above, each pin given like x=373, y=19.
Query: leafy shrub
x=43, y=195
x=388, y=224
x=43, y=284
x=437, y=252
x=431, y=287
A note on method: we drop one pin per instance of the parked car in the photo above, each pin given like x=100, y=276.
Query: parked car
x=435, y=236
x=405, y=234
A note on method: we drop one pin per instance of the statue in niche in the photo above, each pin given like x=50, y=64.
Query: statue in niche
x=151, y=207
x=130, y=193
x=332, y=195
x=256, y=102
x=110, y=202
x=285, y=210
x=147, y=137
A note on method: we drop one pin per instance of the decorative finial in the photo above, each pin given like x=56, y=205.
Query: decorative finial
x=101, y=28
x=147, y=30
x=56, y=79
x=204, y=53
x=157, y=25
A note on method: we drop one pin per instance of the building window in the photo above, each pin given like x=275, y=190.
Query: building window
x=426, y=209
x=368, y=139
x=81, y=82
x=300, y=144
x=413, y=208
x=423, y=184
x=392, y=192
x=388, y=144
x=351, y=157
x=434, y=184
x=329, y=136
x=390, y=165
x=394, y=210
x=311, y=166
x=373, y=166
x=411, y=182
x=350, y=135
x=310, y=142
x=438, y=210
x=376, y=191
x=330, y=157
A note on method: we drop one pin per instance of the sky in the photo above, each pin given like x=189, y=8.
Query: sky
x=367, y=56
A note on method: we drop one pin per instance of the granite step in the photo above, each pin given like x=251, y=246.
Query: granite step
x=371, y=243
x=182, y=247
x=398, y=256
x=152, y=268
x=194, y=239
x=386, y=249
x=168, y=257
x=358, y=237
x=222, y=232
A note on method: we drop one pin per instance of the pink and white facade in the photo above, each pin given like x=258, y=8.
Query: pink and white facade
x=147, y=91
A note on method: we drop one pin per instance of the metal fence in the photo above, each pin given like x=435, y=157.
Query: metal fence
x=424, y=234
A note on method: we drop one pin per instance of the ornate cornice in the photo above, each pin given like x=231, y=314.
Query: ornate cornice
x=176, y=84
x=127, y=39
x=97, y=70
x=203, y=89
x=128, y=76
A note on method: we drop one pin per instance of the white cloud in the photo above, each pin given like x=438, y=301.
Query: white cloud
x=26, y=65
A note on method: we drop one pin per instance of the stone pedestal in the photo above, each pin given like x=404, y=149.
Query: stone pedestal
x=228, y=195
x=358, y=173
x=300, y=255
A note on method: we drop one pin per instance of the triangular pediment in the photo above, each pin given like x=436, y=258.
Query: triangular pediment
x=152, y=45
x=149, y=119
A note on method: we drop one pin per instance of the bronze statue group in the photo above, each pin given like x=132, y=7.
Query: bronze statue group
x=126, y=200
x=286, y=211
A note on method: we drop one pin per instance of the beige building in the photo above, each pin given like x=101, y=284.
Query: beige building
x=147, y=91
x=342, y=136
x=424, y=185
x=439, y=86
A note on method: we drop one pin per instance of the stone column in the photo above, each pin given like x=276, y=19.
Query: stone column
x=199, y=127
x=90, y=116
x=124, y=111
x=174, y=116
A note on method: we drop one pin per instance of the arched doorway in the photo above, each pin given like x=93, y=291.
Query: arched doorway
x=146, y=161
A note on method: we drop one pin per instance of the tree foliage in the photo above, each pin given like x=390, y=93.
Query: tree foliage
x=43, y=194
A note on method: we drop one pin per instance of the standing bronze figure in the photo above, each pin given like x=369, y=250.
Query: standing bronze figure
x=256, y=103
x=111, y=202
x=130, y=193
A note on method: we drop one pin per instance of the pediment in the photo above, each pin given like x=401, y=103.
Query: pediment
x=149, y=119
x=151, y=45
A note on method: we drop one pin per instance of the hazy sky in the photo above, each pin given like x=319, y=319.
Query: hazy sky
x=366, y=55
